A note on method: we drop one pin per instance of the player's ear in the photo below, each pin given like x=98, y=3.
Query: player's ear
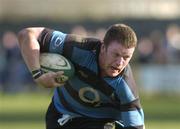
x=103, y=47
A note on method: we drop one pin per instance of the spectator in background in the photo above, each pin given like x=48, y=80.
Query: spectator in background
x=173, y=43
x=2, y=64
x=14, y=72
x=79, y=30
x=100, y=33
x=145, y=49
x=159, y=50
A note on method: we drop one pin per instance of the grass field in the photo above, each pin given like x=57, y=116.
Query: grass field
x=27, y=111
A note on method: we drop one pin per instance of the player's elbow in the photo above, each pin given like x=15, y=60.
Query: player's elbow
x=22, y=36
x=28, y=34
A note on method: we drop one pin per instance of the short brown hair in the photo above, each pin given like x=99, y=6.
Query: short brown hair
x=121, y=33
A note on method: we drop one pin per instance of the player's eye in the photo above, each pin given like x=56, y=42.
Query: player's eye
x=126, y=57
x=115, y=55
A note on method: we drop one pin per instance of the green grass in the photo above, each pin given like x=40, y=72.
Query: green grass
x=161, y=111
x=27, y=111
x=23, y=111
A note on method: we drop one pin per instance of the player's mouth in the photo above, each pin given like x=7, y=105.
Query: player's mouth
x=115, y=69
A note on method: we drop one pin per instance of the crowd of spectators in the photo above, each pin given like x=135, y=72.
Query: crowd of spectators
x=160, y=47
x=156, y=48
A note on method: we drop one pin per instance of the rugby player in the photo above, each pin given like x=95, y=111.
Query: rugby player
x=102, y=94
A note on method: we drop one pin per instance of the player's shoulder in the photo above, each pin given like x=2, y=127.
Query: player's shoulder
x=70, y=37
x=70, y=40
x=128, y=77
x=82, y=39
x=82, y=42
x=127, y=71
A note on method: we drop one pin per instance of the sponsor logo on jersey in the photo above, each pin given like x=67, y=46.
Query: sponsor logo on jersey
x=95, y=97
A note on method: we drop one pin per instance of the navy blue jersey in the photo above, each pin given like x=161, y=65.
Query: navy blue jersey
x=88, y=94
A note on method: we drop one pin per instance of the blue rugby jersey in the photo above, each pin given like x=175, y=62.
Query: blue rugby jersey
x=87, y=94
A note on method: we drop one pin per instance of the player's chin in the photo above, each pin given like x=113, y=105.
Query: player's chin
x=113, y=74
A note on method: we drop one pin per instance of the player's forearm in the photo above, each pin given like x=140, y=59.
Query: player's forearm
x=30, y=48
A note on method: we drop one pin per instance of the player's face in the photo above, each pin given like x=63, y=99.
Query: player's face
x=114, y=58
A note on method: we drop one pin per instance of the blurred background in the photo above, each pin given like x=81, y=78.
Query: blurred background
x=156, y=62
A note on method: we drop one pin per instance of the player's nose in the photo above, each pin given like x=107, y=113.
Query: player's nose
x=119, y=61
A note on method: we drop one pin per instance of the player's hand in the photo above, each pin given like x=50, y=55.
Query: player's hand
x=49, y=80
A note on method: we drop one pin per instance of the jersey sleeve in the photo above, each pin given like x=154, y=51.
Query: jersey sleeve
x=59, y=42
x=132, y=119
x=132, y=116
x=52, y=41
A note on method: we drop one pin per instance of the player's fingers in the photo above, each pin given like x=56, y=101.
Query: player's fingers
x=53, y=75
x=60, y=77
x=59, y=73
x=57, y=84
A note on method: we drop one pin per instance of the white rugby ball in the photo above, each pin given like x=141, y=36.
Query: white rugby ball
x=55, y=62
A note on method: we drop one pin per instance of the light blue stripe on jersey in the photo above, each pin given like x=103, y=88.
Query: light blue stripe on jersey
x=133, y=118
x=57, y=42
x=85, y=58
x=59, y=106
x=124, y=92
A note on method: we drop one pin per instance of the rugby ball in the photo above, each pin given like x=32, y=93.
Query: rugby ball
x=55, y=62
